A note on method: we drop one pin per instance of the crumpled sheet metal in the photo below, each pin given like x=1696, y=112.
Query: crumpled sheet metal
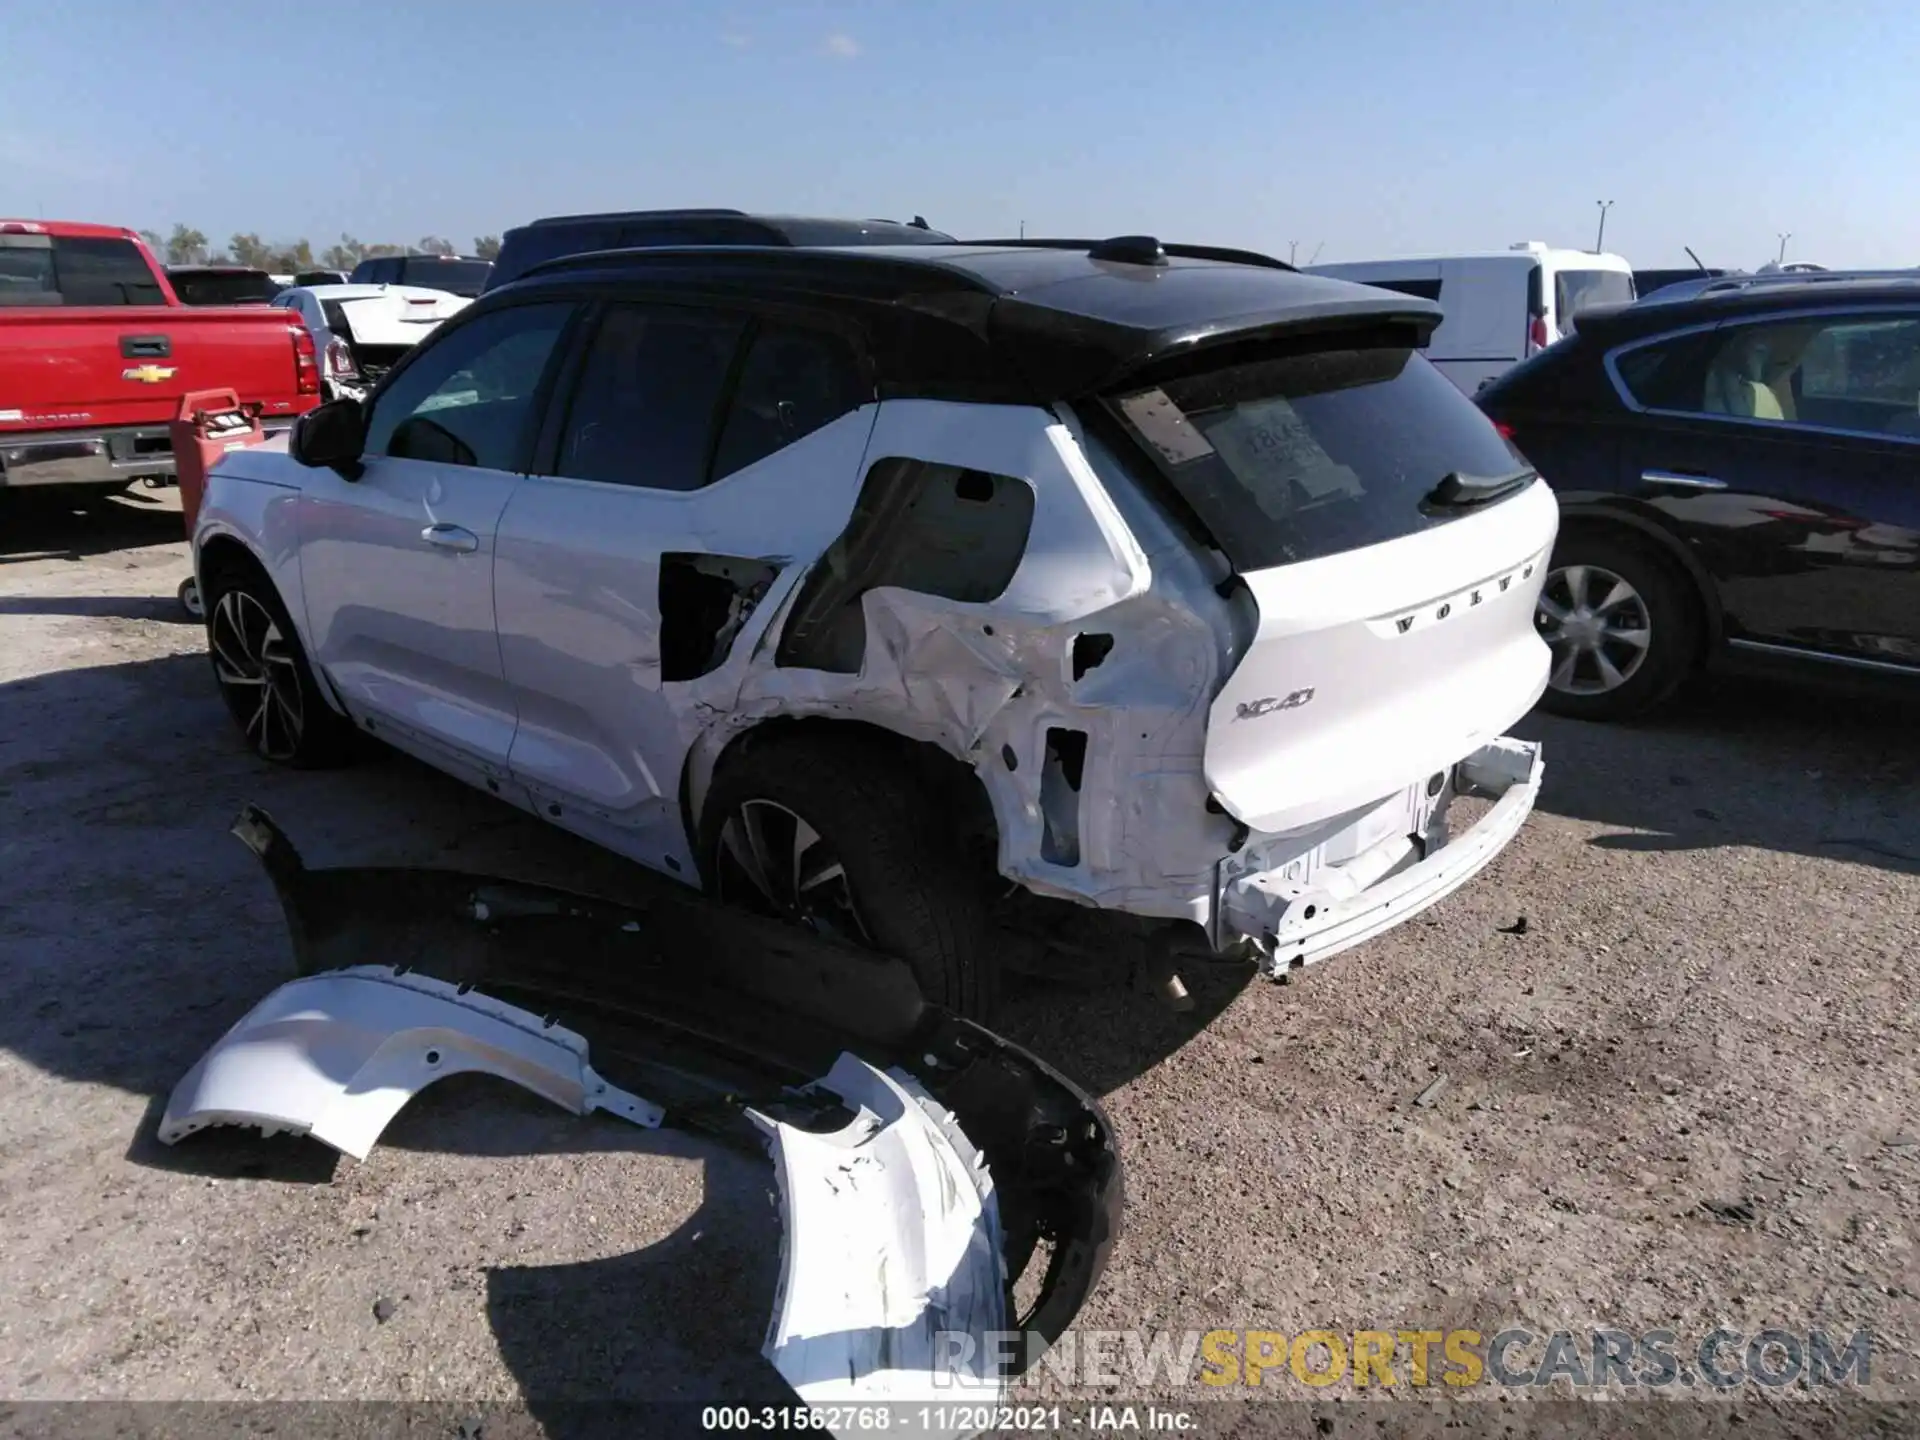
x=336, y=1056
x=892, y=1251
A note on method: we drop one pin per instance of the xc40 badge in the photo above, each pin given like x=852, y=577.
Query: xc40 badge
x=1254, y=709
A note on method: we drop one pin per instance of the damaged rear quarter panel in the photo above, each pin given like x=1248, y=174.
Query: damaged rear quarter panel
x=987, y=680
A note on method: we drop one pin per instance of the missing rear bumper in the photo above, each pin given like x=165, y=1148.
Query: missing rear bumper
x=1294, y=921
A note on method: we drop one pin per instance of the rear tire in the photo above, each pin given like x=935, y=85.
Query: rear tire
x=263, y=675
x=848, y=842
x=1624, y=625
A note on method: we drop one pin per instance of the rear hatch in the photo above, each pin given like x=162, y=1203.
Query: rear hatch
x=1392, y=545
x=382, y=328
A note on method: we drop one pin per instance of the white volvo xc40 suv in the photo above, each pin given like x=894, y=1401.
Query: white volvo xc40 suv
x=923, y=593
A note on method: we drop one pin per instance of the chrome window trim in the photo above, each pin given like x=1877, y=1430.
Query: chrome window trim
x=1899, y=310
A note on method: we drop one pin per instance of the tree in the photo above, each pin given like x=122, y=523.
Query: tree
x=250, y=251
x=289, y=258
x=186, y=246
x=487, y=247
x=374, y=252
x=154, y=243
x=343, y=256
x=434, y=245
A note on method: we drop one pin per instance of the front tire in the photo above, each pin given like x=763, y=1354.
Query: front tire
x=835, y=835
x=264, y=677
x=1623, y=624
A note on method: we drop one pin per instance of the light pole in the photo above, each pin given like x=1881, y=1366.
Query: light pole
x=1785, y=236
x=1600, y=240
x=1293, y=251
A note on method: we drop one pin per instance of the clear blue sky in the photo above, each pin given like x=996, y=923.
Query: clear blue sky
x=1365, y=128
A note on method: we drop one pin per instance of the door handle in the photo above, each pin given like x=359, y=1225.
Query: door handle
x=451, y=537
x=1685, y=482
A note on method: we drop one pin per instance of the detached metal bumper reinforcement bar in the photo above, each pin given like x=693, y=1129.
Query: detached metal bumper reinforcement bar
x=971, y=1153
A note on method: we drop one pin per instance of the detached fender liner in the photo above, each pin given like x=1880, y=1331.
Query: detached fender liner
x=922, y=1159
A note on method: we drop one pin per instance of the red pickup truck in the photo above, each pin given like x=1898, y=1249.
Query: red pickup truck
x=96, y=352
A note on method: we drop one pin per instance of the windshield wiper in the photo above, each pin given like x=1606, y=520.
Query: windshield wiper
x=1458, y=490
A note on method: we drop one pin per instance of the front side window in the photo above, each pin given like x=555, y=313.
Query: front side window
x=1856, y=373
x=468, y=398
x=642, y=412
x=1311, y=454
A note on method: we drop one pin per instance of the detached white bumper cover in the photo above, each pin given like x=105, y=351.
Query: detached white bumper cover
x=336, y=1056
x=1297, y=926
x=892, y=1284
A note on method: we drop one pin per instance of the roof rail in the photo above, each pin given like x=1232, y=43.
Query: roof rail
x=1185, y=252
x=683, y=214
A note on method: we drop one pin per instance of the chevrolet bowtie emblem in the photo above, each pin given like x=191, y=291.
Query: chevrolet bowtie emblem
x=148, y=374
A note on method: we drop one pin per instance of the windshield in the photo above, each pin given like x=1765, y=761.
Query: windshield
x=1313, y=454
x=456, y=277
x=233, y=287
x=1577, y=290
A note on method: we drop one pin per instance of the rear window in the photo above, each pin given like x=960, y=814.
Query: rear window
x=76, y=271
x=1421, y=289
x=242, y=287
x=1577, y=290
x=456, y=277
x=1308, y=455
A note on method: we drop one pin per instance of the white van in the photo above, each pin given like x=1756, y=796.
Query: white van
x=1501, y=306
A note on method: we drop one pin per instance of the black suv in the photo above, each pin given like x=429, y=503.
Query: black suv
x=1739, y=480
x=561, y=235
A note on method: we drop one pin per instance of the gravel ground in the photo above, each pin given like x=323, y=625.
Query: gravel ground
x=1708, y=1005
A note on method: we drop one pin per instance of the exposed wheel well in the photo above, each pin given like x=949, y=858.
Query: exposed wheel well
x=947, y=782
x=1669, y=551
x=223, y=557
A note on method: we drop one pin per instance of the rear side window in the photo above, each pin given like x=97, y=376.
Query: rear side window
x=791, y=383
x=642, y=412
x=1308, y=455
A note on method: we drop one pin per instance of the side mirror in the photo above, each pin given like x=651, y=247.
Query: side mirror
x=332, y=435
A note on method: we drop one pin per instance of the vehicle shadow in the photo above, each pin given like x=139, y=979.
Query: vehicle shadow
x=1739, y=762
x=50, y=525
x=119, y=607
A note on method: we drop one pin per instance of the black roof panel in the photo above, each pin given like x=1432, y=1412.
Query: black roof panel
x=1057, y=320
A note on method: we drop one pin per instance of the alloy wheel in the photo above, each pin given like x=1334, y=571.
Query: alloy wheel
x=773, y=861
x=255, y=665
x=1597, y=626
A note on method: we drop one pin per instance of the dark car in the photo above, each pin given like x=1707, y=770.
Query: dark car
x=559, y=235
x=1649, y=282
x=456, y=274
x=221, y=285
x=1739, y=480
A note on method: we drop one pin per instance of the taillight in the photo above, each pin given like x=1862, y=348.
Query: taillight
x=340, y=360
x=1506, y=430
x=1537, y=333
x=306, y=364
